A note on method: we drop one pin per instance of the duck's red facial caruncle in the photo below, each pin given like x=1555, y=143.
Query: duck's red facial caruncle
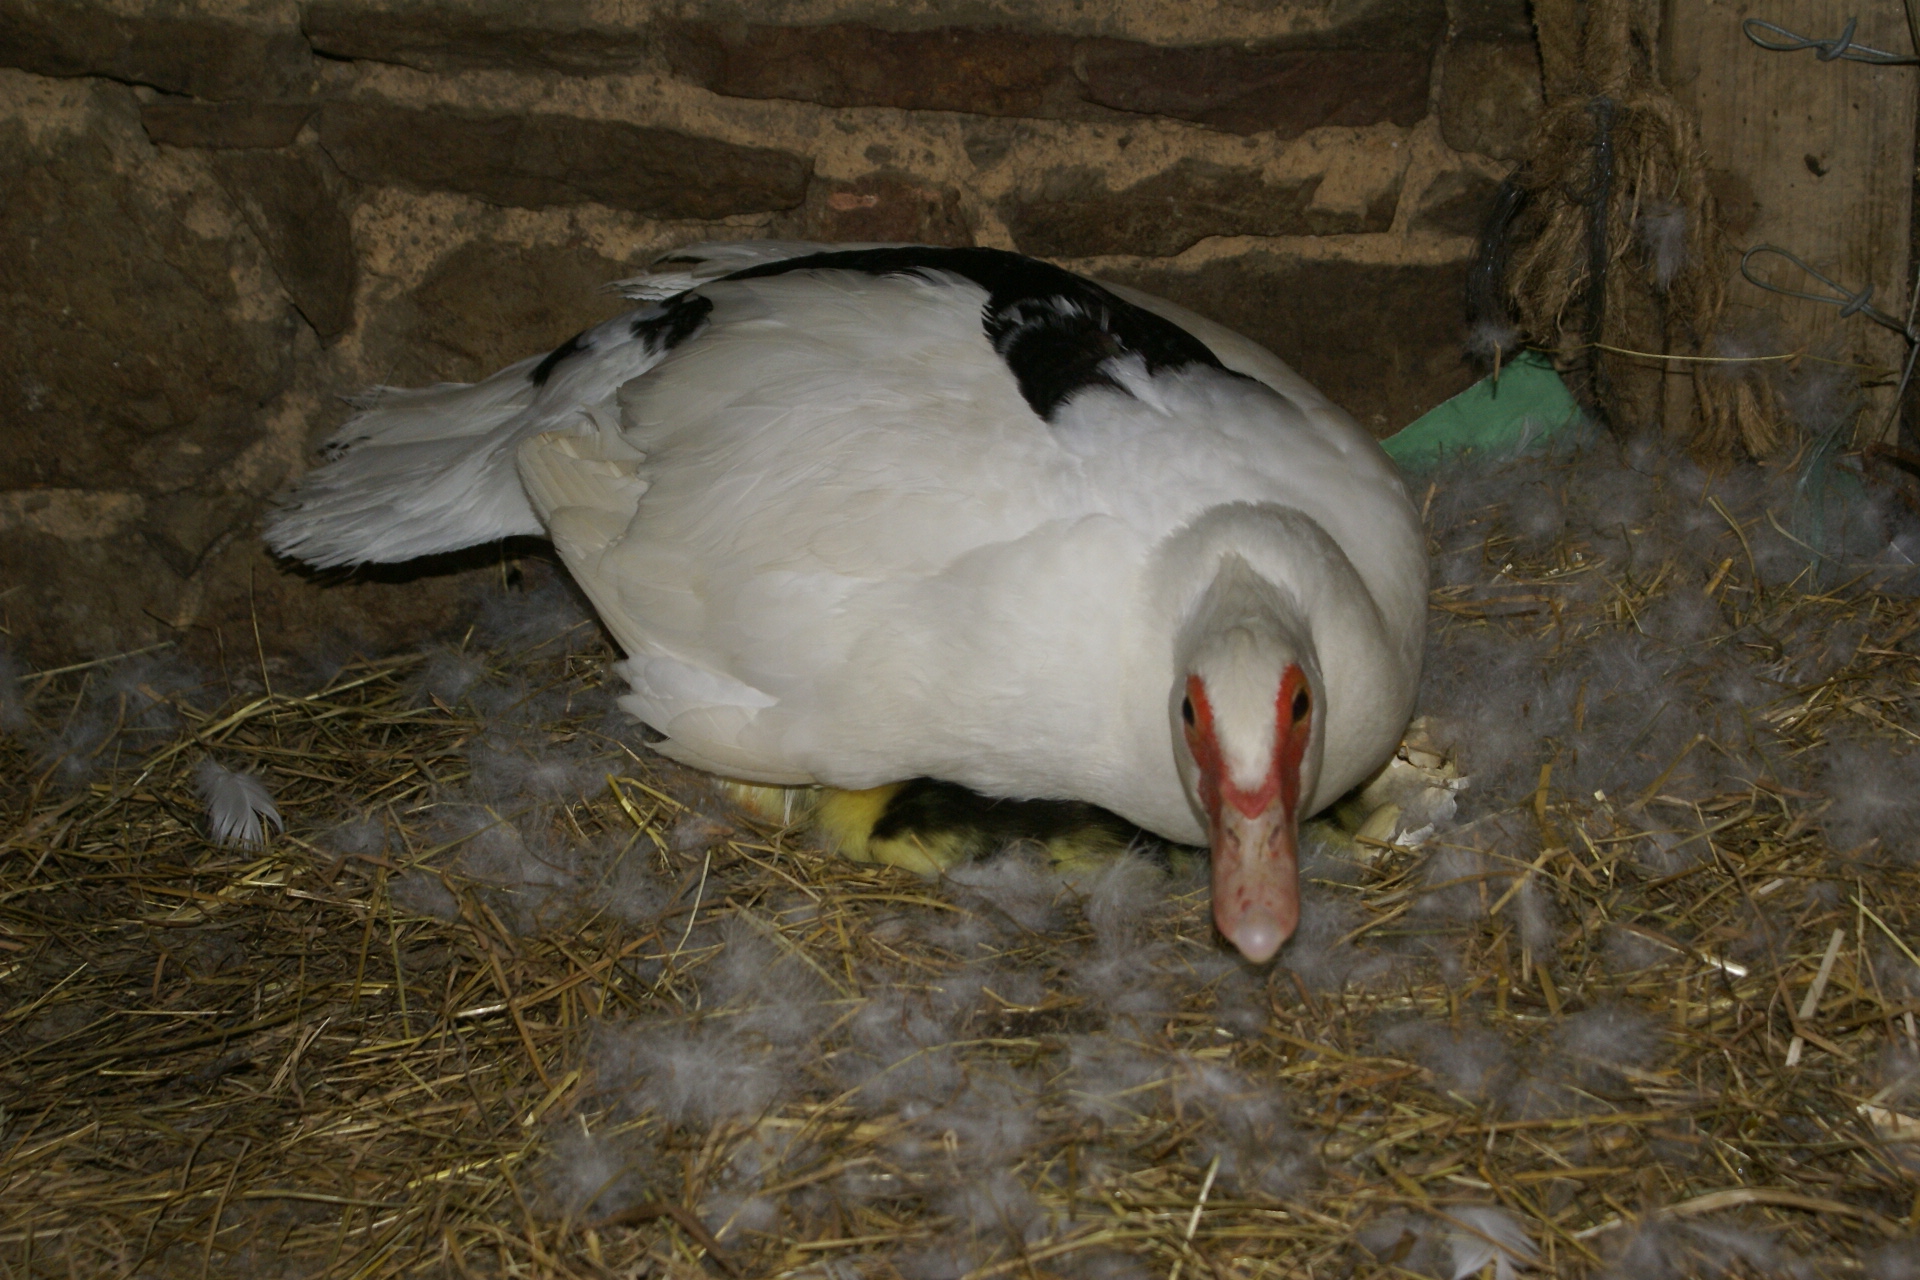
x=1251, y=794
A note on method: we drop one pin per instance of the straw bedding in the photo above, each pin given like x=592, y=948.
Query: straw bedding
x=509, y=996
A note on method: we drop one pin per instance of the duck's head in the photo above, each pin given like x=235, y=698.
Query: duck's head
x=1246, y=709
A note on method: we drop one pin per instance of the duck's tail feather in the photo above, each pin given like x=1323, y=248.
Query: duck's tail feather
x=414, y=473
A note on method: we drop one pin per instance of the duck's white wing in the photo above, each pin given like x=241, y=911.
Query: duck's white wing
x=829, y=438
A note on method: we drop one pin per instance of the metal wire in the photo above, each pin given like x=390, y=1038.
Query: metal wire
x=1906, y=374
x=1850, y=304
x=1840, y=46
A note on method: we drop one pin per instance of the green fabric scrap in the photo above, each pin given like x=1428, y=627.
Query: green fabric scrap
x=1530, y=404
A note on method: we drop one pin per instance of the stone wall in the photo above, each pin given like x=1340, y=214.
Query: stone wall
x=222, y=216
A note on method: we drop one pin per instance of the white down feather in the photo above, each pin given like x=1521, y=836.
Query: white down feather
x=239, y=806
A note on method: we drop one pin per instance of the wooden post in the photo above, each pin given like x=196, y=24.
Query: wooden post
x=1816, y=157
x=1906, y=432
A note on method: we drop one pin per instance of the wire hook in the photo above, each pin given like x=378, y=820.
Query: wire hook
x=1850, y=304
x=1840, y=46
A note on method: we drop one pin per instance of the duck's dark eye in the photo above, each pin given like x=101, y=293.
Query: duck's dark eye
x=1186, y=711
x=1301, y=705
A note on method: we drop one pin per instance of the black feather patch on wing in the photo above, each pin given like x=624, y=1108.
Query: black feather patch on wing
x=666, y=326
x=1056, y=331
x=544, y=370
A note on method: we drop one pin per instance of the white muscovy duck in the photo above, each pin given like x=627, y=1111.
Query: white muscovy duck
x=863, y=514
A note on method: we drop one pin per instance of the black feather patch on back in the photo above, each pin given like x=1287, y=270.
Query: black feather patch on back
x=1055, y=330
x=660, y=328
x=544, y=370
x=666, y=326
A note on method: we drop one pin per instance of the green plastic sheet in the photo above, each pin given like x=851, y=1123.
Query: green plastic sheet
x=1528, y=406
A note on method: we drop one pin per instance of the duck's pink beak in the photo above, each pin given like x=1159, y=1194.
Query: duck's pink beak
x=1255, y=833
x=1256, y=878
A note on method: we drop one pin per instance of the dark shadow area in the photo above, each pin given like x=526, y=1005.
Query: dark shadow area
x=505, y=552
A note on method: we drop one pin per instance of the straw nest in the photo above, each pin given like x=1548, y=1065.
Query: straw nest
x=510, y=996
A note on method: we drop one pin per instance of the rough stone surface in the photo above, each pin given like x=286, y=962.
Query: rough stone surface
x=529, y=34
x=1510, y=20
x=134, y=362
x=489, y=303
x=885, y=206
x=538, y=160
x=291, y=205
x=1456, y=203
x=177, y=49
x=127, y=359
x=987, y=72
x=91, y=596
x=221, y=216
x=1074, y=215
x=1286, y=92
x=1490, y=97
x=224, y=124
x=1009, y=73
x=1383, y=342
x=147, y=361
